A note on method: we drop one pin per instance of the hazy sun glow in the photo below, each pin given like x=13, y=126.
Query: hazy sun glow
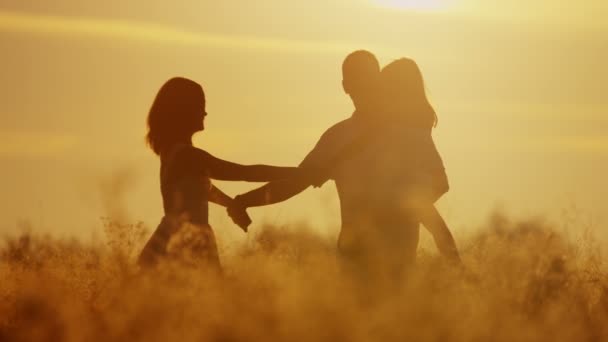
x=424, y=5
x=518, y=86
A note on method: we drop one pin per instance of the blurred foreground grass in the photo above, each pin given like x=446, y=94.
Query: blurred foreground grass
x=525, y=282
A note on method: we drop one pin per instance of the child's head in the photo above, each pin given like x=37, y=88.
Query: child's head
x=404, y=93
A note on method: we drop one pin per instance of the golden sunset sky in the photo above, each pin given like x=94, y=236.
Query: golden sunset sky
x=519, y=87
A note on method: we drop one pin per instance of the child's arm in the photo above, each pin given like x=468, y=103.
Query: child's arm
x=434, y=223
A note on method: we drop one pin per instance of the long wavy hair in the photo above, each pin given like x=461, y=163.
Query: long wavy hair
x=169, y=119
x=405, y=93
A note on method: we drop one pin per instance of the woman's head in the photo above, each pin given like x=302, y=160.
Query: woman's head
x=178, y=111
x=404, y=91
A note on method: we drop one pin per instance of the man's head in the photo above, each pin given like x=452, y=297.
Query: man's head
x=360, y=78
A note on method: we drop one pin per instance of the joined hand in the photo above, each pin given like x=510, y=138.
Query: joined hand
x=238, y=214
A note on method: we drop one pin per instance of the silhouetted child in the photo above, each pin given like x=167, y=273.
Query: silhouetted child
x=409, y=113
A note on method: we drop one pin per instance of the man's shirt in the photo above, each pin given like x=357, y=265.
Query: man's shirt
x=368, y=180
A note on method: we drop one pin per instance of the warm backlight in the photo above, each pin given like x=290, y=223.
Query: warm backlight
x=425, y=5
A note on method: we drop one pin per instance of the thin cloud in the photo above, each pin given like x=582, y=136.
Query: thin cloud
x=592, y=144
x=22, y=22
x=35, y=145
x=530, y=111
x=578, y=145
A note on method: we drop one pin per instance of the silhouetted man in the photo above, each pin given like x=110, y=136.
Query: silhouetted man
x=377, y=238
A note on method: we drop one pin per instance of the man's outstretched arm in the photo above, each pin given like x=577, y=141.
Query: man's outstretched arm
x=313, y=170
x=273, y=192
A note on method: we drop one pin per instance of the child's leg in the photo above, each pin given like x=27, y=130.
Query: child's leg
x=434, y=223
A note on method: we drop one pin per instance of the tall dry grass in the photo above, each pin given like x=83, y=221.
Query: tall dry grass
x=524, y=282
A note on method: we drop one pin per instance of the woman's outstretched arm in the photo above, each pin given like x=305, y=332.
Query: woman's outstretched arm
x=224, y=170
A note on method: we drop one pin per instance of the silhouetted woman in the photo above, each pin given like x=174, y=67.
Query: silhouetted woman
x=178, y=111
x=408, y=111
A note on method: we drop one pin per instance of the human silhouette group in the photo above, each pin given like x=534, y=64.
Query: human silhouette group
x=386, y=168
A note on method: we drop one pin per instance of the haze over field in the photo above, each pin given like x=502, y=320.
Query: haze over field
x=518, y=86
x=524, y=282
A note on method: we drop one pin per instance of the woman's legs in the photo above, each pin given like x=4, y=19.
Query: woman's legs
x=186, y=243
x=195, y=245
x=156, y=247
